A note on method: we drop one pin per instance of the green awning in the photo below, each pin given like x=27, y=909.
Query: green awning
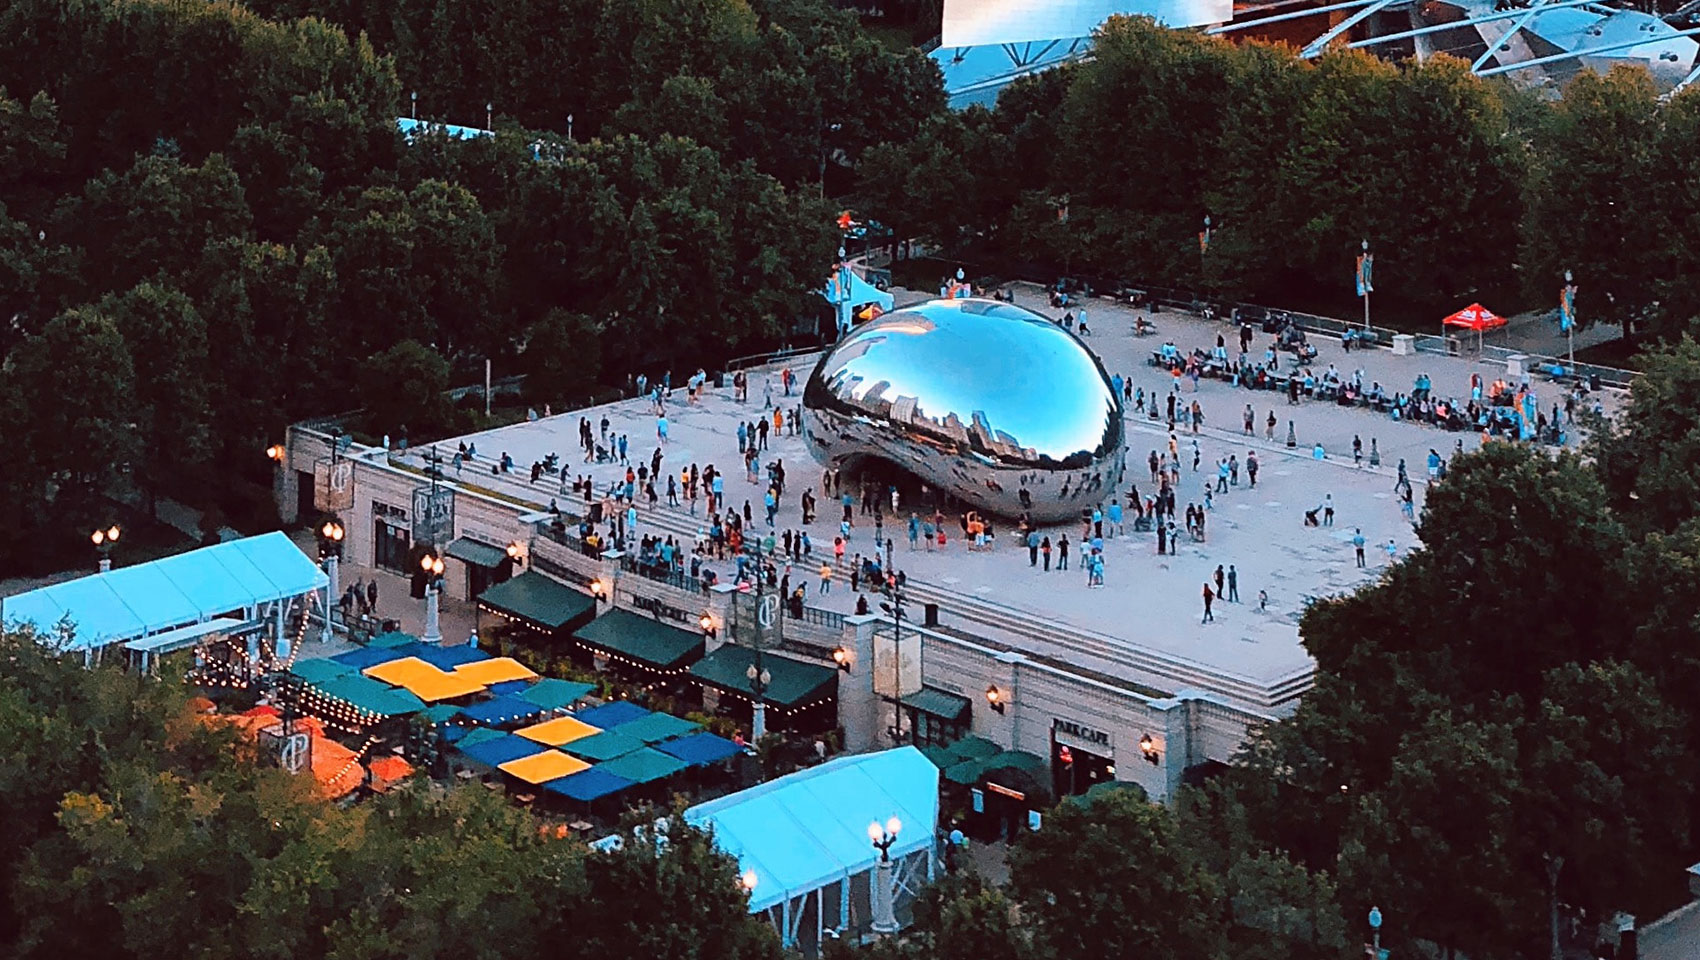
x=644, y=765
x=319, y=669
x=441, y=713
x=964, y=771
x=395, y=638
x=644, y=641
x=471, y=551
x=1015, y=760
x=937, y=703
x=656, y=727
x=553, y=694
x=534, y=598
x=369, y=695
x=603, y=746
x=940, y=756
x=793, y=683
x=478, y=735
x=975, y=748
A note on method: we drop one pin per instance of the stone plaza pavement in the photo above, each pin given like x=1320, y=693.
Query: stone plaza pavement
x=1147, y=600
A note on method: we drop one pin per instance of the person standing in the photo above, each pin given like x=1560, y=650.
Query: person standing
x=1269, y=426
x=1233, y=585
x=825, y=578
x=1357, y=451
x=1045, y=551
x=372, y=593
x=914, y=529
x=1328, y=509
x=1062, y=551
x=1250, y=421
x=1221, y=581
x=1032, y=548
x=1208, y=598
x=1251, y=467
x=1358, y=545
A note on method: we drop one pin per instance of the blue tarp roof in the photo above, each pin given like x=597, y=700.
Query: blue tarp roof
x=447, y=658
x=496, y=752
x=510, y=687
x=700, y=749
x=804, y=831
x=174, y=591
x=501, y=710
x=611, y=715
x=363, y=657
x=408, y=126
x=587, y=785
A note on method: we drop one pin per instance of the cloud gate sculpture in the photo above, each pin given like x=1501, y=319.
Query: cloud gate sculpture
x=983, y=399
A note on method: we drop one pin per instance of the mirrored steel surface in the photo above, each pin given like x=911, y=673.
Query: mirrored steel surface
x=987, y=400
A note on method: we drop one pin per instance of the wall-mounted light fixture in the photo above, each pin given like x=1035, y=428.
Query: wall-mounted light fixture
x=1148, y=747
x=994, y=696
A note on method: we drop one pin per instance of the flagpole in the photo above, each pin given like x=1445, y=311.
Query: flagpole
x=1364, y=269
x=1568, y=315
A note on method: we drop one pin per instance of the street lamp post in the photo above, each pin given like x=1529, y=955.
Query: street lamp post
x=433, y=567
x=1375, y=931
x=104, y=541
x=759, y=679
x=885, y=907
x=330, y=550
x=758, y=675
x=894, y=605
x=413, y=111
x=489, y=116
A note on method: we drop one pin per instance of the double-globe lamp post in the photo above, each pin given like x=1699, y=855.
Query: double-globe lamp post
x=433, y=567
x=104, y=541
x=883, y=836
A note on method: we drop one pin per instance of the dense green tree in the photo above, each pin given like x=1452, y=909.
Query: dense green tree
x=1588, y=206
x=1646, y=456
x=77, y=383
x=402, y=389
x=167, y=338
x=562, y=357
x=154, y=219
x=1112, y=877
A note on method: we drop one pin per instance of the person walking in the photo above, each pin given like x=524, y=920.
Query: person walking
x=1269, y=426
x=372, y=594
x=1251, y=467
x=1045, y=551
x=1358, y=545
x=1250, y=421
x=914, y=529
x=1328, y=509
x=1233, y=584
x=1262, y=600
x=825, y=579
x=1208, y=599
x=1221, y=581
x=1032, y=548
x=1357, y=451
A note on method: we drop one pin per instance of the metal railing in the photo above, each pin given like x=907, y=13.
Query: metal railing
x=1188, y=302
x=763, y=359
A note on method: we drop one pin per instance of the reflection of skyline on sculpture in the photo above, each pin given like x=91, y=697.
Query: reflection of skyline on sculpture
x=989, y=400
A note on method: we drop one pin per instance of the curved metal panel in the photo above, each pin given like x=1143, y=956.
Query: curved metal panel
x=987, y=400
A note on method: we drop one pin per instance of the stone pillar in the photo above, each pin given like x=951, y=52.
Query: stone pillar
x=860, y=710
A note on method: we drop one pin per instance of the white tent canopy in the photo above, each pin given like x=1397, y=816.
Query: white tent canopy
x=132, y=602
x=808, y=830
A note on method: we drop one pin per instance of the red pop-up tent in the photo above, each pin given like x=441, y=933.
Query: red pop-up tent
x=1473, y=317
